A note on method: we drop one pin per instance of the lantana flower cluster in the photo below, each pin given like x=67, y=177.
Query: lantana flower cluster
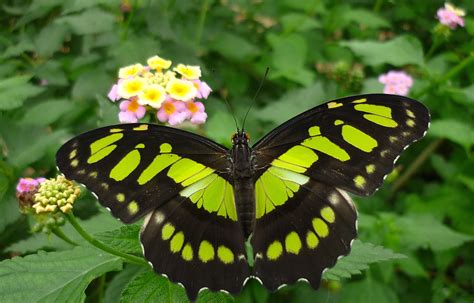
x=172, y=93
x=396, y=82
x=55, y=195
x=451, y=16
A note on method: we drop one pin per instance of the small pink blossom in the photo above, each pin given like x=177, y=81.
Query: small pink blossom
x=28, y=184
x=196, y=112
x=131, y=111
x=113, y=93
x=396, y=82
x=203, y=89
x=451, y=16
x=173, y=112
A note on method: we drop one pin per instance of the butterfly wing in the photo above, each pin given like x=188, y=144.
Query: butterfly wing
x=304, y=218
x=182, y=182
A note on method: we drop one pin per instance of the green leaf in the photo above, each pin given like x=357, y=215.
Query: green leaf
x=220, y=126
x=53, y=277
x=292, y=103
x=91, y=21
x=124, y=239
x=363, y=17
x=454, y=130
x=399, y=51
x=426, y=232
x=150, y=287
x=49, y=111
x=119, y=281
x=15, y=90
x=361, y=256
x=368, y=291
x=90, y=83
x=50, y=39
x=296, y=22
x=234, y=47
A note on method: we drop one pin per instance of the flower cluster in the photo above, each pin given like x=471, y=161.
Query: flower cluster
x=396, y=82
x=55, y=195
x=171, y=93
x=25, y=191
x=451, y=16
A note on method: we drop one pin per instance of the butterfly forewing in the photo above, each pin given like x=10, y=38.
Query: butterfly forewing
x=182, y=181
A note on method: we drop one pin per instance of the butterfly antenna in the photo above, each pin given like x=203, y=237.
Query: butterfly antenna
x=255, y=96
x=232, y=112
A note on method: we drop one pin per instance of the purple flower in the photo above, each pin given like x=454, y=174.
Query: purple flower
x=28, y=184
x=131, y=111
x=451, y=16
x=196, y=112
x=173, y=112
x=396, y=82
x=203, y=90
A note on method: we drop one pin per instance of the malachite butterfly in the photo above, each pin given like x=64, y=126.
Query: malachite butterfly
x=287, y=193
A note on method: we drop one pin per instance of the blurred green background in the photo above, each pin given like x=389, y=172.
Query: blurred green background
x=58, y=60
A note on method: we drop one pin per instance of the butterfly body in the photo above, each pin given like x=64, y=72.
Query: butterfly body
x=288, y=191
x=243, y=172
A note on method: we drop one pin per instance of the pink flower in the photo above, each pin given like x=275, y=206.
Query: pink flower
x=28, y=184
x=195, y=112
x=396, y=82
x=113, y=93
x=451, y=16
x=131, y=111
x=203, y=89
x=173, y=112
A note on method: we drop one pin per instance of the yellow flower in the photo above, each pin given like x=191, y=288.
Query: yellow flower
x=131, y=87
x=130, y=71
x=181, y=89
x=152, y=95
x=191, y=72
x=158, y=63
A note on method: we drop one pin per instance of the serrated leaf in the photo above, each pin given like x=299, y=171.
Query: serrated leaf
x=292, y=103
x=91, y=21
x=398, y=51
x=49, y=111
x=234, y=47
x=454, y=130
x=361, y=256
x=55, y=276
x=124, y=239
x=296, y=22
x=15, y=90
x=119, y=281
x=150, y=287
x=426, y=232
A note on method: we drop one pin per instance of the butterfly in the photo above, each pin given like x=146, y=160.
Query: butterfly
x=287, y=193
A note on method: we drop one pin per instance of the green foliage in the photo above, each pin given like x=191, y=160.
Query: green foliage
x=58, y=60
x=54, y=277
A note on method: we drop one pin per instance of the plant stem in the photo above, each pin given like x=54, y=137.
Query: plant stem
x=59, y=233
x=129, y=20
x=433, y=48
x=378, y=6
x=451, y=73
x=415, y=165
x=201, y=21
x=129, y=258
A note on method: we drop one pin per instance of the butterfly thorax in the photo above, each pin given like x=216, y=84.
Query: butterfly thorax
x=242, y=172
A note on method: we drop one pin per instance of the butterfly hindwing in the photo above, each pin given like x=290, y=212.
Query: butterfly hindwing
x=351, y=143
x=181, y=180
x=195, y=248
x=304, y=236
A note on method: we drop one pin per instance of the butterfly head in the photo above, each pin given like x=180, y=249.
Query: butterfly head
x=240, y=137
